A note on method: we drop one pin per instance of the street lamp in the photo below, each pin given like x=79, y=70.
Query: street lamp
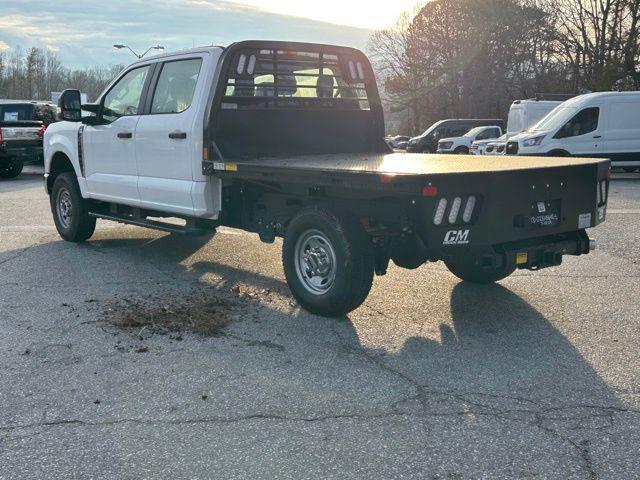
x=118, y=46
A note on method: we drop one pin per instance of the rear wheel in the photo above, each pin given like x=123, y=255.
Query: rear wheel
x=471, y=271
x=70, y=211
x=629, y=169
x=10, y=167
x=328, y=260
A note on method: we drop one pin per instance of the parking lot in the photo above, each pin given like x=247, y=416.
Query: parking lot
x=535, y=377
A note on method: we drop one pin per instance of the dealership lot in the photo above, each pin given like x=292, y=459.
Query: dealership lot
x=537, y=377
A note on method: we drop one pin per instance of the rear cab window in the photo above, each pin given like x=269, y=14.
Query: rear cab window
x=281, y=79
x=16, y=112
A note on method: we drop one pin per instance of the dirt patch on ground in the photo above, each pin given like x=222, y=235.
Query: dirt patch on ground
x=203, y=316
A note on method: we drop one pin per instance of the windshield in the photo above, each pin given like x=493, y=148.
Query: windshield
x=554, y=120
x=515, y=122
x=431, y=128
x=474, y=131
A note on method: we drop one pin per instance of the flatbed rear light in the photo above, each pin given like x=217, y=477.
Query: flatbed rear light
x=455, y=206
x=429, y=191
x=439, y=213
x=468, y=209
x=455, y=209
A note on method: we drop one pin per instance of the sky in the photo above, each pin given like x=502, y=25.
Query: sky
x=83, y=32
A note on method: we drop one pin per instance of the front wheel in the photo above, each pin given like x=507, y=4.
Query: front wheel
x=328, y=260
x=10, y=167
x=469, y=270
x=461, y=151
x=629, y=169
x=70, y=212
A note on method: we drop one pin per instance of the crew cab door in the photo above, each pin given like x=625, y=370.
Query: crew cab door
x=165, y=143
x=109, y=149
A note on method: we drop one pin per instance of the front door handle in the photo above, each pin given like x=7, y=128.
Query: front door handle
x=178, y=135
x=125, y=135
x=597, y=136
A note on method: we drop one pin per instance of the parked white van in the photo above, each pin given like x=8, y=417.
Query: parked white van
x=523, y=114
x=602, y=124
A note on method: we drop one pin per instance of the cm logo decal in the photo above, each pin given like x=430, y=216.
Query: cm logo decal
x=456, y=237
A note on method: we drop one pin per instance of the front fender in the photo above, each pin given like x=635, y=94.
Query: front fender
x=62, y=137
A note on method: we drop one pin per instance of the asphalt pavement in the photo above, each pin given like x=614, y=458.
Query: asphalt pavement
x=535, y=377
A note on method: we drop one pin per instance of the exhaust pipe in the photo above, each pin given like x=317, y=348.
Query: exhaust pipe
x=592, y=245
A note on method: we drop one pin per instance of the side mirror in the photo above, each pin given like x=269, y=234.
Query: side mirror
x=69, y=105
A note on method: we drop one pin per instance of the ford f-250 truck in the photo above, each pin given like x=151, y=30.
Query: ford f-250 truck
x=286, y=140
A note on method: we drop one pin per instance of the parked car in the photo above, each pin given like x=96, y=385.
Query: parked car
x=185, y=135
x=398, y=141
x=462, y=144
x=22, y=124
x=602, y=124
x=497, y=146
x=427, y=142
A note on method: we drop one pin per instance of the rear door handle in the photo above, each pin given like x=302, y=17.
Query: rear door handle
x=178, y=135
x=125, y=135
x=597, y=136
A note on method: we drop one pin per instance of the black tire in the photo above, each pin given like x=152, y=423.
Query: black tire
x=461, y=151
x=70, y=210
x=629, y=169
x=469, y=271
x=342, y=248
x=10, y=167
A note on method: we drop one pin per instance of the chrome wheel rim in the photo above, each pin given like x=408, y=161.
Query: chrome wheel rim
x=64, y=207
x=315, y=262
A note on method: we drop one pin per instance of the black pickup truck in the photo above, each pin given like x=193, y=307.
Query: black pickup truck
x=287, y=140
x=22, y=125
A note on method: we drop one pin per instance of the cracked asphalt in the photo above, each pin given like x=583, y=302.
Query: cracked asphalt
x=536, y=377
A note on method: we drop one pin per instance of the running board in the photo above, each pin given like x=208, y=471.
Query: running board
x=143, y=222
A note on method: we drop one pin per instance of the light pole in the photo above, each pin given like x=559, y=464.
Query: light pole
x=118, y=46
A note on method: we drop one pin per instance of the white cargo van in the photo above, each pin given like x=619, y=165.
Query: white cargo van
x=602, y=124
x=523, y=114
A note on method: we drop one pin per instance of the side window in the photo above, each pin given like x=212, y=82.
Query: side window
x=583, y=122
x=484, y=134
x=176, y=85
x=124, y=97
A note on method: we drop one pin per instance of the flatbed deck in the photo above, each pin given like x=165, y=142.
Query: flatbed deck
x=400, y=164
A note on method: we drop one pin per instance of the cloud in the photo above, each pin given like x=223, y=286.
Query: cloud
x=83, y=32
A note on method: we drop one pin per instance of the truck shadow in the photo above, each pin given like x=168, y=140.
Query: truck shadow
x=495, y=342
x=494, y=349
x=499, y=355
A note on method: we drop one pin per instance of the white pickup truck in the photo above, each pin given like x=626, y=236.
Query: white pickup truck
x=286, y=140
x=462, y=144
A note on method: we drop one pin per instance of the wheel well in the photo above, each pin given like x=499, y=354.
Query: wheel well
x=60, y=163
x=558, y=153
